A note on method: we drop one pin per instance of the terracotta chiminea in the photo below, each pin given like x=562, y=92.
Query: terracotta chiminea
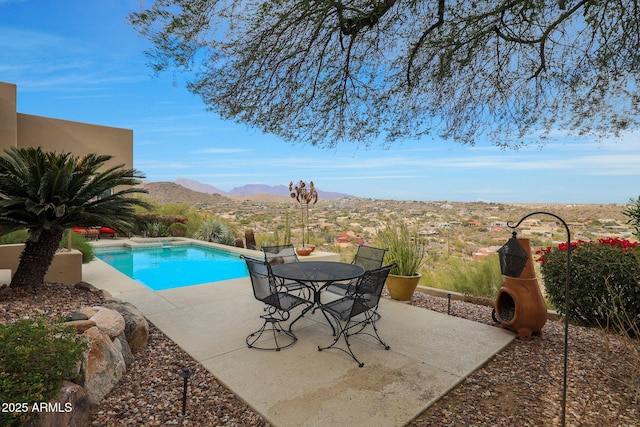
x=519, y=304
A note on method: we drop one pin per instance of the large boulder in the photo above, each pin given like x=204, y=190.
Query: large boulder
x=102, y=365
x=69, y=408
x=81, y=325
x=136, y=326
x=108, y=321
x=87, y=311
x=122, y=345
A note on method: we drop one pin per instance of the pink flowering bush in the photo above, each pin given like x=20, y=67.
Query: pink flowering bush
x=605, y=278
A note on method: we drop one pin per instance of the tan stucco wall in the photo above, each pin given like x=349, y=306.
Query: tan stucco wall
x=24, y=130
x=75, y=137
x=8, y=117
x=66, y=267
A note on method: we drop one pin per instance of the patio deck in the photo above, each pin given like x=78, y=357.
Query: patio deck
x=430, y=353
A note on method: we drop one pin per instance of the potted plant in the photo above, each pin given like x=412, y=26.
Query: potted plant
x=407, y=253
x=304, y=195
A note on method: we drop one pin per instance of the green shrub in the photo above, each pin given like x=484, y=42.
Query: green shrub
x=19, y=236
x=158, y=229
x=143, y=220
x=178, y=229
x=480, y=278
x=35, y=356
x=78, y=242
x=213, y=230
x=619, y=322
x=632, y=212
x=604, y=278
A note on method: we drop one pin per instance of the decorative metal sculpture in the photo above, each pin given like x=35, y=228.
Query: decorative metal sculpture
x=304, y=196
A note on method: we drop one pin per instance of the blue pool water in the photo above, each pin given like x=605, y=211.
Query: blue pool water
x=173, y=267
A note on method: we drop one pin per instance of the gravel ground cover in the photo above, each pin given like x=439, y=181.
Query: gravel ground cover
x=521, y=386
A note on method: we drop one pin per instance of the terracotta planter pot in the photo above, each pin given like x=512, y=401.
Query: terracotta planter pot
x=519, y=304
x=401, y=288
x=304, y=251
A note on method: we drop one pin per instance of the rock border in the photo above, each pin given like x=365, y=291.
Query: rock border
x=114, y=333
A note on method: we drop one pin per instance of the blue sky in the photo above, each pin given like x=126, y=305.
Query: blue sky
x=79, y=60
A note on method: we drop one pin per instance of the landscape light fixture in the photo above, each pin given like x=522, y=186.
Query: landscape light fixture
x=510, y=259
x=185, y=374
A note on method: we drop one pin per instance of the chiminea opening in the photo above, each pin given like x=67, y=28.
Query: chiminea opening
x=506, y=307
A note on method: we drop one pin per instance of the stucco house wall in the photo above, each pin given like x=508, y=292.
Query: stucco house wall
x=66, y=267
x=25, y=130
x=8, y=116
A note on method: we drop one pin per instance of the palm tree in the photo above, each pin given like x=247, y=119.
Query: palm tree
x=47, y=192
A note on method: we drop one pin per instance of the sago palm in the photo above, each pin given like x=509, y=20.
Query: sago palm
x=46, y=192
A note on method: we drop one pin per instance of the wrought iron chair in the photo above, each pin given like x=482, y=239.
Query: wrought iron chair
x=354, y=312
x=367, y=257
x=283, y=254
x=278, y=303
x=280, y=254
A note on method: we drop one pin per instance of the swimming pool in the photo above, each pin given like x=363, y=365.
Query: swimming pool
x=176, y=266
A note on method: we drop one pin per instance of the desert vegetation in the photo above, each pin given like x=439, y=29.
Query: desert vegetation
x=459, y=237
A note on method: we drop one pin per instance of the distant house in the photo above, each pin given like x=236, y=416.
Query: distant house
x=484, y=252
x=348, y=238
x=343, y=238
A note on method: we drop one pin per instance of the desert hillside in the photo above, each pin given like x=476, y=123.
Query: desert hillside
x=169, y=192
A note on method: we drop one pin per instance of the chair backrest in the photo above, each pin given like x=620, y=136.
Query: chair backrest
x=280, y=254
x=368, y=289
x=369, y=257
x=262, y=281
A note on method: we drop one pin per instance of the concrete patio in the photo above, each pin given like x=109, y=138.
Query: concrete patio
x=299, y=386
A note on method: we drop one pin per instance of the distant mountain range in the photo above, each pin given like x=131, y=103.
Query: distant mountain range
x=252, y=190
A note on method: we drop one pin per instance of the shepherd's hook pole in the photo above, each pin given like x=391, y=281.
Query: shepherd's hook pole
x=566, y=308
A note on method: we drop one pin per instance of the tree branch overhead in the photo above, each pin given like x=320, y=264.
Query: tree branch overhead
x=330, y=71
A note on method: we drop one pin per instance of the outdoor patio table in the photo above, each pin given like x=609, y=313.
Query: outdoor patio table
x=316, y=275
